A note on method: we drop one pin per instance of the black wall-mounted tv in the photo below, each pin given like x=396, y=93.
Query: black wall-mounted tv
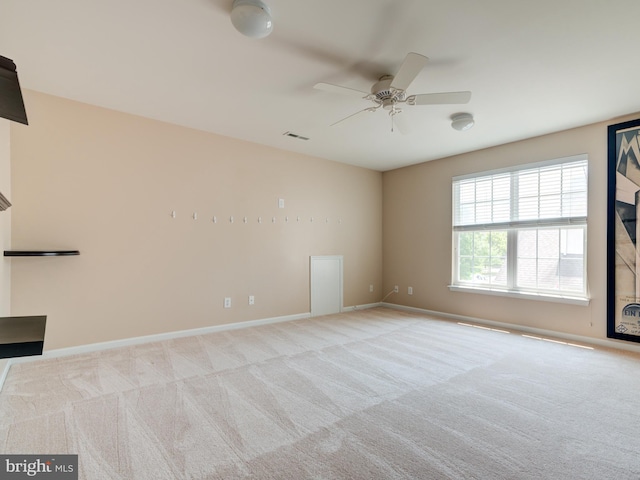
x=11, y=102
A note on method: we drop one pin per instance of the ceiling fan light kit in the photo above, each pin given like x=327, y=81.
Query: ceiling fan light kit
x=252, y=18
x=462, y=121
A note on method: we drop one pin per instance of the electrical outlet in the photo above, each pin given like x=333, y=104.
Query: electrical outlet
x=370, y=288
x=227, y=302
x=410, y=290
x=396, y=289
x=252, y=300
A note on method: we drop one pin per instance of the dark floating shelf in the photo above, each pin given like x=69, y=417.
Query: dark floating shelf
x=40, y=253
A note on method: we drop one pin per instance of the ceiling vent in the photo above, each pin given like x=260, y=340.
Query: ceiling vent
x=295, y=135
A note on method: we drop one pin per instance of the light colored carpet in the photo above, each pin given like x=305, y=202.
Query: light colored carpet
x=374, y=394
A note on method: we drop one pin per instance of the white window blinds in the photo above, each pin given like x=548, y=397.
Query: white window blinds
x=539, y=195
x=523, y=230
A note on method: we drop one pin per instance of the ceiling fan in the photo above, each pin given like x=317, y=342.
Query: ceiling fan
x=389, y=92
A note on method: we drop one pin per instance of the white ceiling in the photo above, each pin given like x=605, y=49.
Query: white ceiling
x=534, y=67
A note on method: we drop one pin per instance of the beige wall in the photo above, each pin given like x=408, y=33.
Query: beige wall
x=5, y=220
x=106, y=183
x=417, y=234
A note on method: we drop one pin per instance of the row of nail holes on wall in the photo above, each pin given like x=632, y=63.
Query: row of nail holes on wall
x=246, y=220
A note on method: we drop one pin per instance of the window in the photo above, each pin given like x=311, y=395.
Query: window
x=522, y=230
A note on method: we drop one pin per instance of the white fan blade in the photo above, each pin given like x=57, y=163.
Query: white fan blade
x=409, y=70
x=370, y=109
x=329, y=87
x=439, y=98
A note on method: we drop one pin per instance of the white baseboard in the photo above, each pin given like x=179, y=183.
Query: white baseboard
x=158, y=337
x=365, y=306
x=601, y=342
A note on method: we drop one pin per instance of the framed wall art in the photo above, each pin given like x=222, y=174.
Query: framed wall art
x=623, y=231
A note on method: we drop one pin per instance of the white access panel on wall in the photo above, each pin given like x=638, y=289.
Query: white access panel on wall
x=326, y=285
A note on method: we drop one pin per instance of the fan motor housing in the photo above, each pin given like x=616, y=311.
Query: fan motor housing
x=384, y=93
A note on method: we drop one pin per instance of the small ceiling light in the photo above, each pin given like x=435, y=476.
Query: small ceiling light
x=251, y=18
x=462, y=121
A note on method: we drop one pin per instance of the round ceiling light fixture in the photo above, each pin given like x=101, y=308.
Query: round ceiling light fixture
x=252, y=18
x=462, y=121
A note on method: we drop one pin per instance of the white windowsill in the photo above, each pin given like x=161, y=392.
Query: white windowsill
x=583, y=301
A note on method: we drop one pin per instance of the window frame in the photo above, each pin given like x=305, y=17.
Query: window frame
x=513, y=227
